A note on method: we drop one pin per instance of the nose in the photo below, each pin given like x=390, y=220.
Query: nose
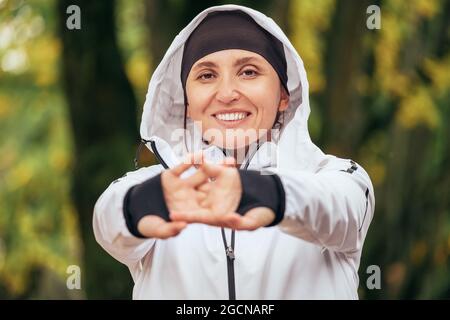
x=226, y=91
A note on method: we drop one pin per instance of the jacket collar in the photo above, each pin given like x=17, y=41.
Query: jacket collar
x=258, y=158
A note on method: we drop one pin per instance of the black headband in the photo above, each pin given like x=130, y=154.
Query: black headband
x=221, y=30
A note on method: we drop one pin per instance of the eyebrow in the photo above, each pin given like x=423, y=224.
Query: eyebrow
x=238, y=62
x=207, y=64
x=244, y=61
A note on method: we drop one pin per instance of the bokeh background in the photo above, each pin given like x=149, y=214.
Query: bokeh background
x=70, y=105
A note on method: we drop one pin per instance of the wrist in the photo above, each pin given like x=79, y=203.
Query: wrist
x=262, y=191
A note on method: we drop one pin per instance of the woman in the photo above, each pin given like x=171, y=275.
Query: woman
x=277, y=218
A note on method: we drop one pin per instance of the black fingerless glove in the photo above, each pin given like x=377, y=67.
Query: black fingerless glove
x=144, y=199
x=262, y=191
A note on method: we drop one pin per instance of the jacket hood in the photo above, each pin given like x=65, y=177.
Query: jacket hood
x=163, y=113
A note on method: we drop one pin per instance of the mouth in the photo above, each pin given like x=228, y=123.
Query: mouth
x=231, y=118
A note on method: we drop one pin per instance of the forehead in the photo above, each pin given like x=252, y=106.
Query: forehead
x=229, y=56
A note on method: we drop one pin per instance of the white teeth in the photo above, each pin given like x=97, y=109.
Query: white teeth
x=231, y=116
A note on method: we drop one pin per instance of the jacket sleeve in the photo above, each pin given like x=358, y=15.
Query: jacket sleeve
x=109, y=224
x=332, y=207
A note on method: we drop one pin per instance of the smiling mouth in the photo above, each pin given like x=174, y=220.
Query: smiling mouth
x=231, y=117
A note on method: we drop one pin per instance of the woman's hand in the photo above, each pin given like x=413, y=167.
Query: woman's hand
x=210, y=196
x=223, y=195
x=253, y=219
x=155, y=227
x=179, y=194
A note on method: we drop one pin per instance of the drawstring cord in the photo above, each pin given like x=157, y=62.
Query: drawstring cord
x=142, y=142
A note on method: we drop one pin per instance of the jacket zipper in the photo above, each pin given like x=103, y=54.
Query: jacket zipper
x=229, y=252
x=229, y=249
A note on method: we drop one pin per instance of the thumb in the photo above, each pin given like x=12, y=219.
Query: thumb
x=211, y=170
x=256, y=218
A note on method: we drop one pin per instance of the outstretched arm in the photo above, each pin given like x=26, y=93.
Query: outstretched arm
x=332, y=208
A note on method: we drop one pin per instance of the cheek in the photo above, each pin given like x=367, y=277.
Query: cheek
x=198, y=101
x=265, y=96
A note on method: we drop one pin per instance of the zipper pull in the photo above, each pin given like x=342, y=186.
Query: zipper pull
x=230, y=253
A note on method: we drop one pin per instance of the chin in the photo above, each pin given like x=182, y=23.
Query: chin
x=234, y=143
x=231, y=138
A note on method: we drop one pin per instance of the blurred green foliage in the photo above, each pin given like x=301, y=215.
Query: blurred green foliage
x=400, y=100
x=38, y=225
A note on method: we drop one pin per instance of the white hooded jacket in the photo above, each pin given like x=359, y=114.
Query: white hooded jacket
x=314, y=253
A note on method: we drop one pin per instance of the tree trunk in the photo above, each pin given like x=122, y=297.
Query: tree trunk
x=103, y=117
x=343, y=116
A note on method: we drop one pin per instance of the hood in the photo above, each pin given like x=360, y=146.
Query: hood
x=163, y=112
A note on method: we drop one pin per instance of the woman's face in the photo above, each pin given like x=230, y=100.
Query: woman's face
x=235, y=96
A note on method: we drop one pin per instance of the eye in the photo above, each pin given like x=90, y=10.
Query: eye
x=249, y=73
x=206, y=76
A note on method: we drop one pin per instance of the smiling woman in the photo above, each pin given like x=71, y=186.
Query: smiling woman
x=234, y=75
x=296, y=218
